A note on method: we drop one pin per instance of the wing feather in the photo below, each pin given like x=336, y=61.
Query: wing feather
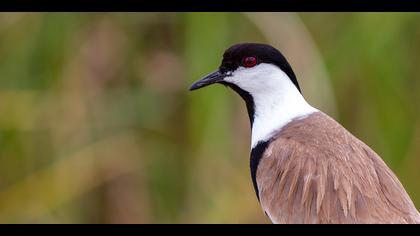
x=315, y=171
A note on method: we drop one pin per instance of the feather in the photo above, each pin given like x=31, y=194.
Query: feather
x=315, y=171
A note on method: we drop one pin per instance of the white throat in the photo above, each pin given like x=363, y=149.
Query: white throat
x=277, y=100
x=273, y=111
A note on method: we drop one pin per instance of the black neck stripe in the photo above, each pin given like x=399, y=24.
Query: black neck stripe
x=256, y=155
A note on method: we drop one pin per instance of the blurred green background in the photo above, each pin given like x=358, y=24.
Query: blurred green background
x=97, y=124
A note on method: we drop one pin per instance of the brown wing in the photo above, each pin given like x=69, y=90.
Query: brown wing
x=315, y=171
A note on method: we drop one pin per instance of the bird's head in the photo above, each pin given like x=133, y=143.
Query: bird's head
x=250, y=66
x=257, y=72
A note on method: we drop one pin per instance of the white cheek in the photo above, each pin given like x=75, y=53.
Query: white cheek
x=256, y=79
x=276, y=99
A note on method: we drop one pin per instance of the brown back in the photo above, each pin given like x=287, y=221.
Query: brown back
x=315, y=171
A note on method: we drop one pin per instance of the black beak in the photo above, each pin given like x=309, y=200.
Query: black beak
x=212, y=78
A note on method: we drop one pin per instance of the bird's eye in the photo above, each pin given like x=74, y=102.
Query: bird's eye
x=249, y=61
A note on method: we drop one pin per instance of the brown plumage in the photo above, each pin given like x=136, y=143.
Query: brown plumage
x=315, y=171
x=305, y=167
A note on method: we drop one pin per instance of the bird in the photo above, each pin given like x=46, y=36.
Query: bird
x=305, y=167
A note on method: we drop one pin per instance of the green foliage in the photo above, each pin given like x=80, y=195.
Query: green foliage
x=97, y=124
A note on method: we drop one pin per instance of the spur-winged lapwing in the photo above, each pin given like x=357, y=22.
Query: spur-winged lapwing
x=305, y=167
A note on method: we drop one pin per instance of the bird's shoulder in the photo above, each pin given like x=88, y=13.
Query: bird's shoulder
x=315, y=171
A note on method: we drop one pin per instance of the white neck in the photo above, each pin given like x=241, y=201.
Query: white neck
x=274, y=112
x=277, y=101
x=276, y=107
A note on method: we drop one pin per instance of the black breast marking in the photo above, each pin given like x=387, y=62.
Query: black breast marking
x=256, y=155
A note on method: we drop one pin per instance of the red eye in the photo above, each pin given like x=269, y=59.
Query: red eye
x=250, y=61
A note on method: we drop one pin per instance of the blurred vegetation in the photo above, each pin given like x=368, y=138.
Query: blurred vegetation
x=97, y=125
